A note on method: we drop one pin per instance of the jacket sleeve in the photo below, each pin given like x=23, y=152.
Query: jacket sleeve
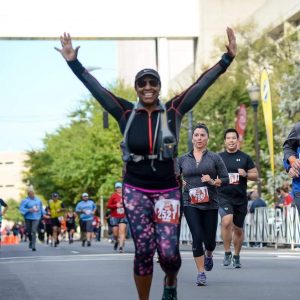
x=23, y=208
x=290, y=145
x=189, y=98
x=222, y=170
x=114, y=105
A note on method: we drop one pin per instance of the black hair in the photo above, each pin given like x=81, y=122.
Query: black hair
x=201, y=125
x=231, y=130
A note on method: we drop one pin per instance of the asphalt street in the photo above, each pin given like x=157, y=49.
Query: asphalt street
x=72, y=272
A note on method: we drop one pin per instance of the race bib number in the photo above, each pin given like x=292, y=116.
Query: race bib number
x=167, y=211
x=234, y=178
x=199, y=195
x=120, y=210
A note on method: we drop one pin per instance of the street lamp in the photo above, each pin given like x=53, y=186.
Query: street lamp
x=254, y=94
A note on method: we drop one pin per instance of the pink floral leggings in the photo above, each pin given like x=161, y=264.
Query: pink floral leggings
x=154, y=220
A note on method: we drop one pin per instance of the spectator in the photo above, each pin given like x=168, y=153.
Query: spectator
x=287, y=199
x=257, y=202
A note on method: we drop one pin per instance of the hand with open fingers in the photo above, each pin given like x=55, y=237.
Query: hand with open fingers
x=67, y=50
x=296, y=164
x=231, y=47
x=293, y=172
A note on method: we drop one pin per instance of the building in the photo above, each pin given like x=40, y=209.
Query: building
x=185, y=58
x=11, y=172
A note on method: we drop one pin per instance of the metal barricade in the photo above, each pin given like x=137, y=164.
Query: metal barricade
x=266, y=225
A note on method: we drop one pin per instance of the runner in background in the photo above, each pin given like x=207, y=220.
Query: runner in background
x=233, y=197
x=57, y=210
x=86, y=209
x=32, y=209
x=71, y=224
x=48, y=225
x=118, y=219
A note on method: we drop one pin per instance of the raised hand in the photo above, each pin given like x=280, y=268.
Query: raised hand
x=67, y=51
x=231, y=47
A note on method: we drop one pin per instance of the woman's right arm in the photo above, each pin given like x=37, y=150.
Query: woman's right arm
x=114, y=105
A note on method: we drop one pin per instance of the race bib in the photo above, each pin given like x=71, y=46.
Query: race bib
x=120, y=210
x=167, y=211
x=199, y=195
x=234, y=178
x=88, y=212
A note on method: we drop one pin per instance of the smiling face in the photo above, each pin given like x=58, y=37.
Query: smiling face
x=200, y=138
x=231, y=142
x=147, y=89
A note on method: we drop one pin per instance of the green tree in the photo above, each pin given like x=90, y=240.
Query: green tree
x=13, y=213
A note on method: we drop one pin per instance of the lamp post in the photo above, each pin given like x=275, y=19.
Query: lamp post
x=254, y=94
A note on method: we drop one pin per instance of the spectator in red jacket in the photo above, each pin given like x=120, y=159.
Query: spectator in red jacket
x=118, y=219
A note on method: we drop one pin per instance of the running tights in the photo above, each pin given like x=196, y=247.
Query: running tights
x=203, y=227
x=151, y=234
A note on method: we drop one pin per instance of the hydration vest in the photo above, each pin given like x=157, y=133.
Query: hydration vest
x=167, y=142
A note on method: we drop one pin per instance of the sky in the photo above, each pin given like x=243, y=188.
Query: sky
x=38, y=90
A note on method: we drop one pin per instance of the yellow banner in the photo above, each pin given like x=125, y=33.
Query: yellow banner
x=267, y=109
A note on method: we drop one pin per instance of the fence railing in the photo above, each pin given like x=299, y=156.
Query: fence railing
x=266, y=225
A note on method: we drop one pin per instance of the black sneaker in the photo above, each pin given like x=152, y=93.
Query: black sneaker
x=89, y=244
x=227, y=259
x=83, y=243
x=121, y=250
x=33, y=249
x=170, y=293
x=116, y=246
x=236, y=262
x=208, y=263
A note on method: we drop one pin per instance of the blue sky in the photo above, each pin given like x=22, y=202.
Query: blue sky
x=38, y=90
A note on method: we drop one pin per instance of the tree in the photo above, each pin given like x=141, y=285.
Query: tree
x=13, y=213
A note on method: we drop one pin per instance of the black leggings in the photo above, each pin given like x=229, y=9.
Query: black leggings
x=203, y=226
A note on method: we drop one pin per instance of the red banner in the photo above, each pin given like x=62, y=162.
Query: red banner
x=241, y=122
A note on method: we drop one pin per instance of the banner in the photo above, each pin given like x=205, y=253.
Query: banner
x=241, y=122
x=267, y=109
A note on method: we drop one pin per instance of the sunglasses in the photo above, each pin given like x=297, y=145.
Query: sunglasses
x=142, y=83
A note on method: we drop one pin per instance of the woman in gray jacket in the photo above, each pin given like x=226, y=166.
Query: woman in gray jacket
x=202, y=172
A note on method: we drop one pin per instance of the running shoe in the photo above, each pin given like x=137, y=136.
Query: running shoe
x=116, y=246
x=121, y=250
x=227, y=259
x=89, y=244
x=33, y=249
x=170, y=293
x=208, y=263
x=201, y=279
x=236, y=262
